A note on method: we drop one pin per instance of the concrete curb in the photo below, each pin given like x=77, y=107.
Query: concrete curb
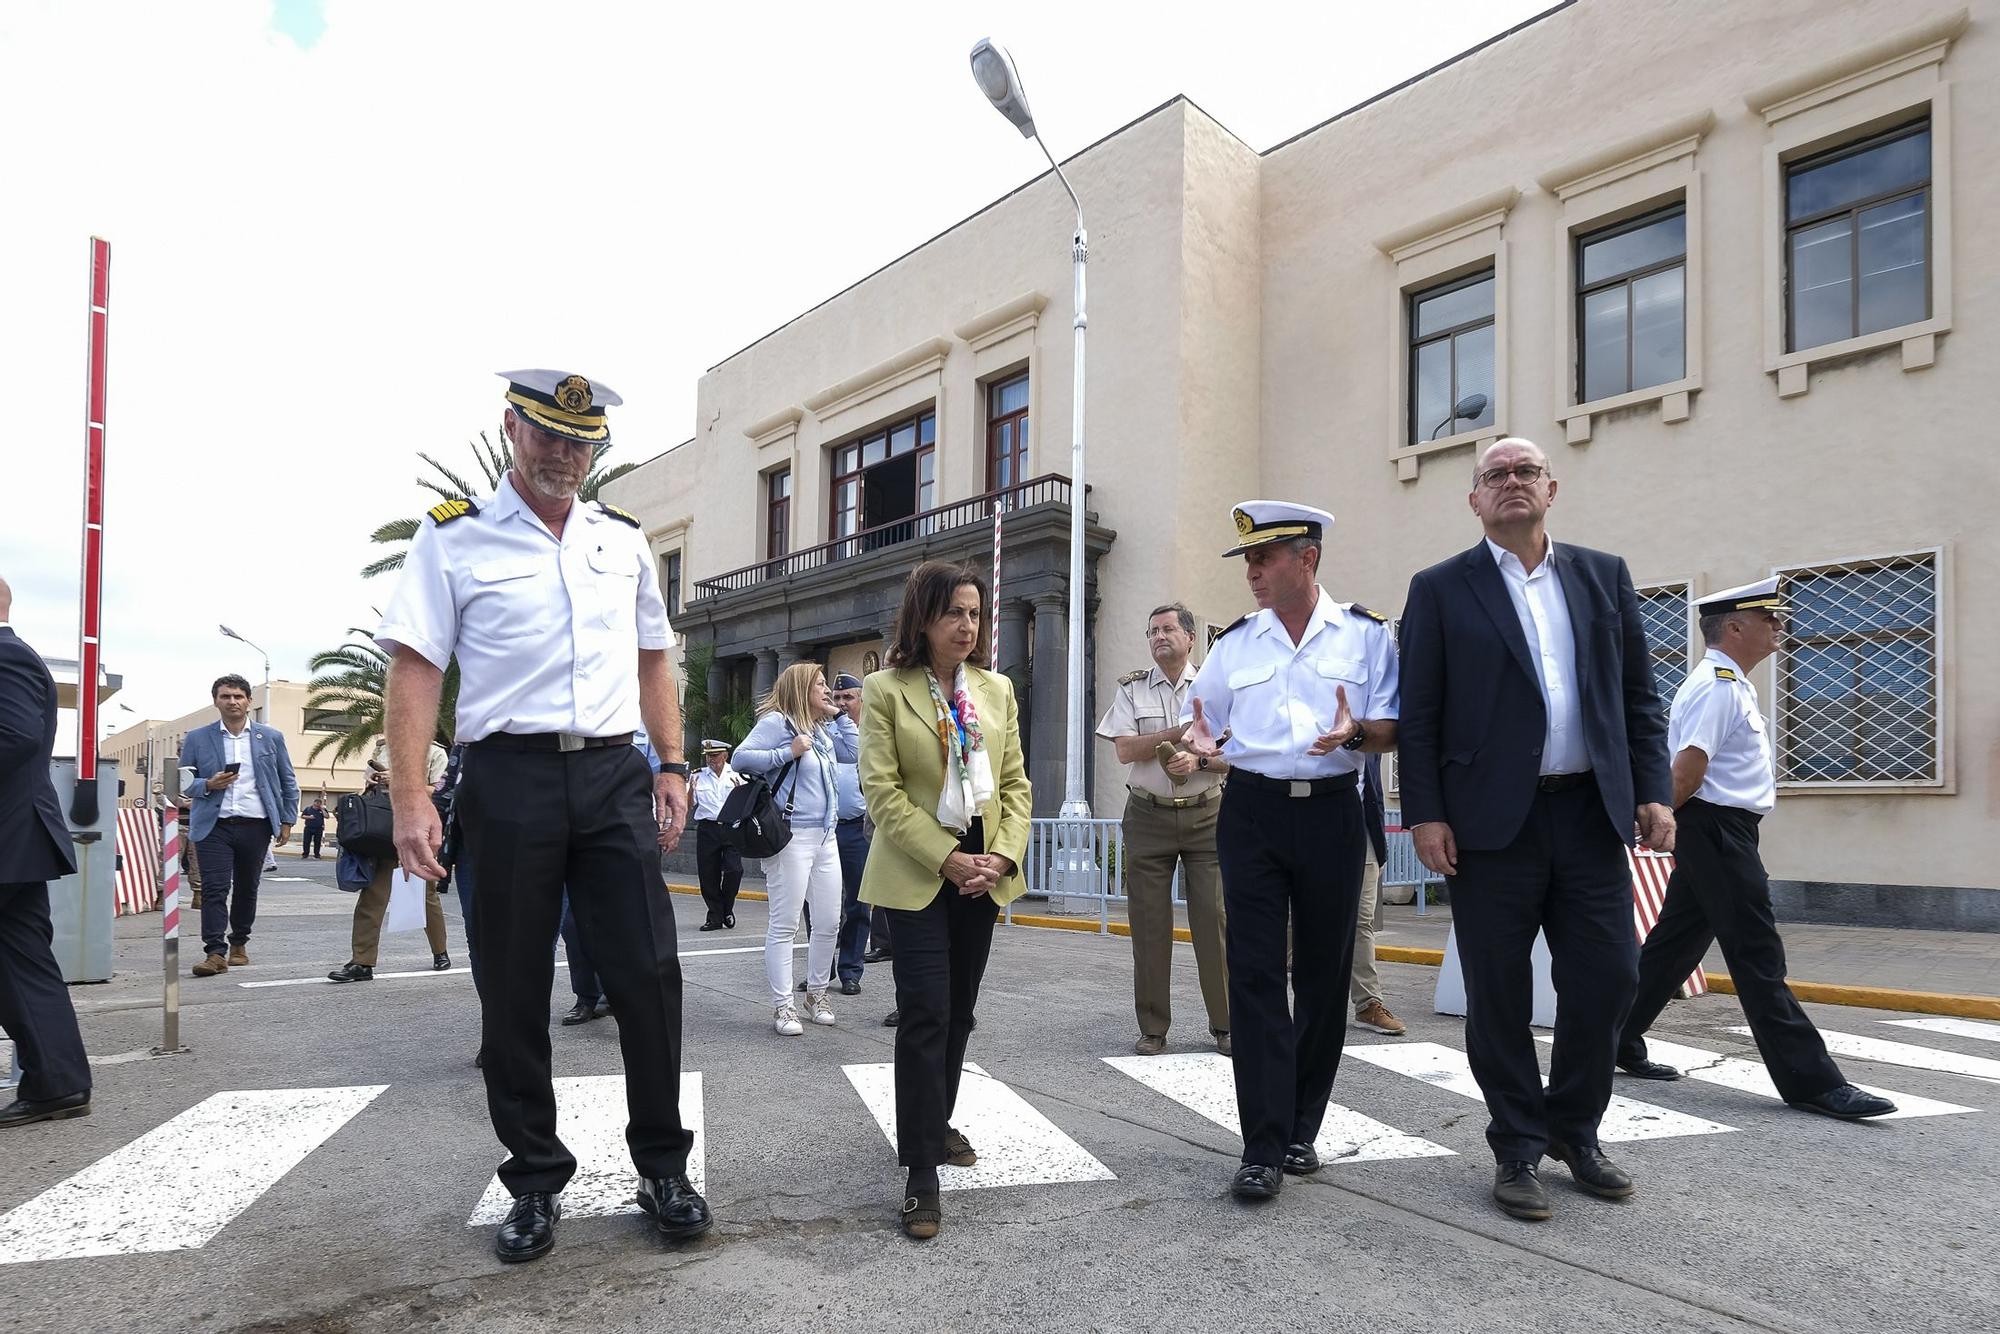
x=1820, y=993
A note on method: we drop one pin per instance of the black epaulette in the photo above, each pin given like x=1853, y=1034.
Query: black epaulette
x=1724, y=674
x=1369, y=612
x=453, y=509
x=1232, y=625
x=1130, y=677
x=621, y=515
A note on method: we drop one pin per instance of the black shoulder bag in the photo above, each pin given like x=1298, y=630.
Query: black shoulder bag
x=750, y=818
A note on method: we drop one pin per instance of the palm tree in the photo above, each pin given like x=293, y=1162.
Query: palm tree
x=494, y=461
x=353, y=679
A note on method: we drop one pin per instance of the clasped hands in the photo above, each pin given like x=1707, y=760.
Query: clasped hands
x=976, y=872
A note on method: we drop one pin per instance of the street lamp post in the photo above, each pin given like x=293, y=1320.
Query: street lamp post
x=993, y=70
x=264, y=712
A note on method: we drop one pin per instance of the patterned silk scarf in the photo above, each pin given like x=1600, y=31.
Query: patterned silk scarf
x=968, y=776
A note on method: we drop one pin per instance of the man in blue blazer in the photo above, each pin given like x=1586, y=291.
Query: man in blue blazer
x=245, y=795
x=1533, y=746
x=34, y=849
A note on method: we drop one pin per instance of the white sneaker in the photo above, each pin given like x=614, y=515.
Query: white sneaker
x=786, y=1022
x=817, y=1009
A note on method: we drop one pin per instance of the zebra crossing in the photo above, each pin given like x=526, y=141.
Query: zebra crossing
x=177, y=1186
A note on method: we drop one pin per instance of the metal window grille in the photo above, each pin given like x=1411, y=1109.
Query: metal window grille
x=1858, y=687
x=1663, y=608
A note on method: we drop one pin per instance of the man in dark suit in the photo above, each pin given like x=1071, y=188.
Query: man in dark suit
x=34, y=849
x=1533, y=743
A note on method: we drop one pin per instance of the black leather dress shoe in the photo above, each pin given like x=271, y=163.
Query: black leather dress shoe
x=678, y=1211
x=1649, y=1070
x=580, y=1013
x=530, y=1229
x=850, y=986
x=25, y=1111
x=1518, y=1192
x=352, y=972
x=729, y=920
x=440, y=962
x=1256, y=1181
x=1589, y=1168
x=1847, y=1103
x=891, y=1019
x=604, y=1008
x=712, y=924
x=1301, y=1159
x=875, y=956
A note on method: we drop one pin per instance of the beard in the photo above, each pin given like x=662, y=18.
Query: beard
x=553, y=482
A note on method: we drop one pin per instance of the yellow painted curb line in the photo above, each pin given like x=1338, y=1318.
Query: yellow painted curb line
x=1820, y=993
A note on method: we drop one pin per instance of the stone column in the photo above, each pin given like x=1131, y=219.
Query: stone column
x=718, y=693
x=1048, y=691
x=1012, y=616
x=791, y=655
x=766, y=674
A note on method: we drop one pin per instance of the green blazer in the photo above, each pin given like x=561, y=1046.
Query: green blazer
x=902, y=773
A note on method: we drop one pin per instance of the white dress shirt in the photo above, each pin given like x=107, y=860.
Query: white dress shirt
x=1538, y=600
x=711, y=789
x=241, y=798
x=1715, y=711
x=1277, y=698
x=547, y=630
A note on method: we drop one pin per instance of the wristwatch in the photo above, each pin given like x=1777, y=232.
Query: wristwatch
x=674, y=767
x=1358, y=740
x=1201, y=763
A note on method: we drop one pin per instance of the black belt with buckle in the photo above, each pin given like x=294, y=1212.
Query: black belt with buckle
x=564, y=741
x=1296, y=787
x=1564, y=782
x=850, y=819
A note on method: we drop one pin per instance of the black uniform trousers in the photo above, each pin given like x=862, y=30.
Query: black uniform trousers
x=35, y=1007
x=534, y=821
x=1295, y=859
x=720, y=867
x=1719, y=891
x=940, y=959
x=1565, y=874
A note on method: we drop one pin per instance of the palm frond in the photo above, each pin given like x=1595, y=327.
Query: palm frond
x=396, y=530
x=596, y=480
x=392, y=561
x=460, y=487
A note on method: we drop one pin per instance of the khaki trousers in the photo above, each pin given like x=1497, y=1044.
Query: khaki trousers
x=1365, y=984
x=1156, y=838
x=374, y=905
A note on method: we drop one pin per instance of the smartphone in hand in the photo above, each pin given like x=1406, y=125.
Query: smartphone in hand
x=236, y=767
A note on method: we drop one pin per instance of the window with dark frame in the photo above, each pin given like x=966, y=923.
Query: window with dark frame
x=1007, y=433
x=881, y=477
x=670, y=577
x=1451, y=357
x=1631, y=305
x=1857, y=238
x=778, y=514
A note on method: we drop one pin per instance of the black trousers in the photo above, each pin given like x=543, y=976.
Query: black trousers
x=1719, y=892
x=721, y=868
x=852, y=941
x=34, y=1001
x=311, y=841
x=1564, y=874
x=534, y=821
x=1287, y=861
x=583, y=983
x=232, y=866
x=940, y=958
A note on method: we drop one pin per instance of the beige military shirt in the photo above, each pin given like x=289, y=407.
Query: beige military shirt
x=1148, y=702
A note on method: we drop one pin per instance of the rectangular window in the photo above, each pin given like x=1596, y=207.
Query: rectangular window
x=778, y=514
x=1631, y=298
x=1451, y=357
x=1857, y=238
x=1663, y=609
x=1007, y=433
x=670, y=582
x=1857, y=673
x=882, y=478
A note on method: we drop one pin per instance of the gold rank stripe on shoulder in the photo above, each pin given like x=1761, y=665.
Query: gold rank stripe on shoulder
x=1369, y=612
x=622, y=516
x=1724, y=674
x=1130, y=677
x=452, y=509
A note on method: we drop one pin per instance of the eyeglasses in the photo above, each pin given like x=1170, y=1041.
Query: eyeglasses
x=1527, y=474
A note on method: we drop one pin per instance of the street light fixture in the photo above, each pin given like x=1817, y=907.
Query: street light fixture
x=1466, y=409
x=993, y=70
x=263, y=712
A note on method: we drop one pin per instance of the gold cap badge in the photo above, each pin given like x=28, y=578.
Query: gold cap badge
x=574, y=394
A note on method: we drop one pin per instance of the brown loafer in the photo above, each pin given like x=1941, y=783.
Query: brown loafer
x=958, y=1149
x=1150, y=1044
x=921, y=1216
x=237, y=958
x=210, y=966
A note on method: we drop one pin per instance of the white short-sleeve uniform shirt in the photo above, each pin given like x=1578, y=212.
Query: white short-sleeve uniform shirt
x=547, y=631
x=1276, y=699
x=1715, y=711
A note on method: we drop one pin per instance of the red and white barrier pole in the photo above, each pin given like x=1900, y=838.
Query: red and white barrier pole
x=170, y=928
x=83, y=805
x=999, y=508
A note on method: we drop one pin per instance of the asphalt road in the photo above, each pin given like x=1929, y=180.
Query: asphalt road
x=1770, y=1220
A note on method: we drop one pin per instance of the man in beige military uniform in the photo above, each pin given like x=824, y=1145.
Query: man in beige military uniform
x=1173, y=797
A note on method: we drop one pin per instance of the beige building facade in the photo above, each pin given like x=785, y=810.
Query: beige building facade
x=1729, y=273
x=155, y=745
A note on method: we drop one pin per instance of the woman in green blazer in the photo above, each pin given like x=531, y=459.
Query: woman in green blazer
x=942, y=774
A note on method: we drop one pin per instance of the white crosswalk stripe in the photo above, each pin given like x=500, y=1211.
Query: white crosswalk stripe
x=1907, y=1053
x=1752, y=1077
x=180, y=1184
x=1625, y=1119
x=1958, y=1028
x=1016, y=1144
x=590, y=1121
x=1204, y=1082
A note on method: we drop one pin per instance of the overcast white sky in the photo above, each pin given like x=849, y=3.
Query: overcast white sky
x=330, y=222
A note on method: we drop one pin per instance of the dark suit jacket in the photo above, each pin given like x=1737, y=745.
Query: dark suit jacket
x=34, y=838
x=1372, y=813
x=1470, y=734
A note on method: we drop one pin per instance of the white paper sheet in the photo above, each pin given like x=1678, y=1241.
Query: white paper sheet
x=406, y=903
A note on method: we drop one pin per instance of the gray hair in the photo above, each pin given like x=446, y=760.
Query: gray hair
x=1712, y=626
x=1181, y=614
x=1301, y=545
